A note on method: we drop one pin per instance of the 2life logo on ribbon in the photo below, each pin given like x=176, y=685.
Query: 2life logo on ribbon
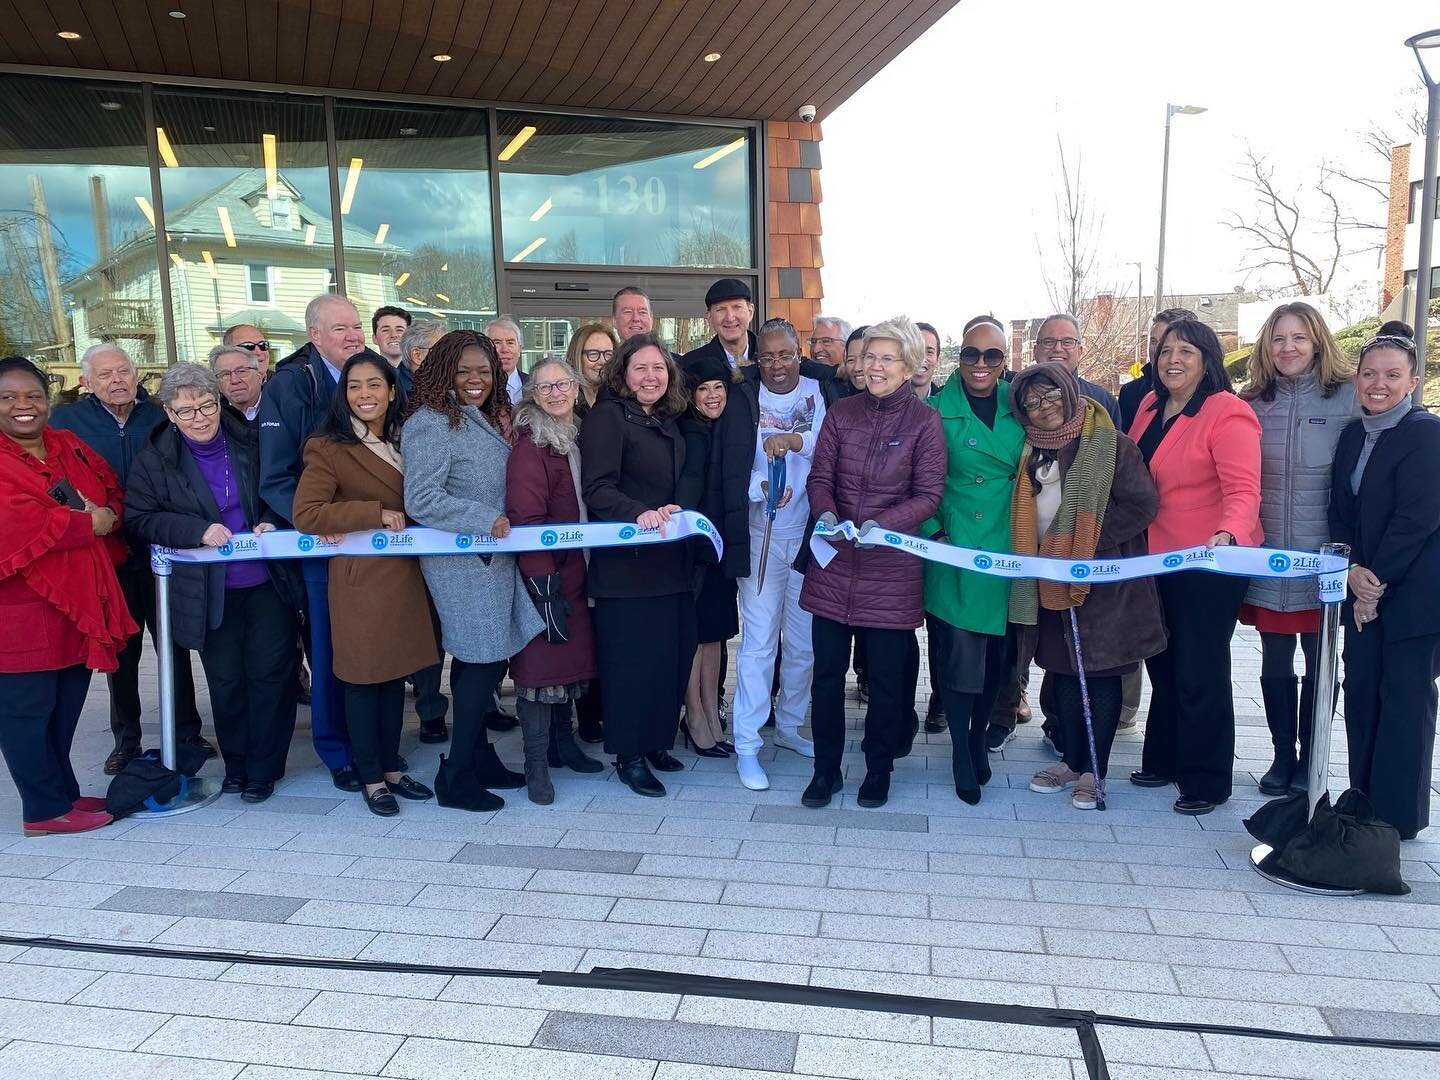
x=305, y=542
x=891, y=538
x=627, y=533
x=1279, y=563
x=983, y=562
x=1080, y=570
x=549, y=538
x=379, y=541
x=1173, y=560
x=463, y=541
x=226, y=548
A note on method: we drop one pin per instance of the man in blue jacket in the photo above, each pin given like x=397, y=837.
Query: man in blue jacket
x=114, y=419
x=296, y=399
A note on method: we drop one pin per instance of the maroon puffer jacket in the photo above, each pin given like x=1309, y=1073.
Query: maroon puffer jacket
x=880, y=459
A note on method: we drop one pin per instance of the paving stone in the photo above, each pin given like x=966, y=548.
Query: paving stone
x=635, y=885
x=399, y=984
x=195, y=997
x=30, y=982
x=1146, y=896
x=378, y=847
x=486, y=957
x=1055, y=970
x=1341, y=934
x=704, y=1044
x=178, y=832
x=934, y=986
x=603, y=862
x=545, y=930
x=856, y=901
x=651, y=843
x=863, y=840
x=716, y=917
x=45, y=892
x=99, y=961
x=524, y=815
x=413, y=871
x=393, y=917
x=439, y=1019
x=317, y=887
x=1009, y=866
x=1165, y=950
x=1305, y=989
x=750, y=830
x=681, y=803
x=525, y=994
x=805, y=1019
x=929, y=883
x=278, y=939
x=1401, y=911
x=510, y=902
x=867, y=1059
x=853, y=819
x=42, y=921
x=1305, y=1060
x=92, y=847
x=1411, y=940
x=873, y=857
x=1377, y=1024
x=275, y=1044
x=759, y=970
x=233, y=906
x=732, y=870
x=829, y=952
x=999, y=934
x=1359, y=964
x=469, y=828
x=199, y=878
x=76, y=1025
x=34, y=1059
x=293, y=804
x=1178, y=1049
x=15, y=865
x=1192, y=1009
x=438, y=1059
x=275, y=862
x=278, y=1072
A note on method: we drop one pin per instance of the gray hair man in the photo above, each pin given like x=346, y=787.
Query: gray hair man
x=505, y=333
x=827, y=340
x=415, y=345
x=237, y=370
x=1059, y=339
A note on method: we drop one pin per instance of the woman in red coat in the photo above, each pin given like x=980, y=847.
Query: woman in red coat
x=542, y=479
x=62, y=615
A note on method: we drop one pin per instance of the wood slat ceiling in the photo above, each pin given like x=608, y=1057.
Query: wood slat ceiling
x=641, y=56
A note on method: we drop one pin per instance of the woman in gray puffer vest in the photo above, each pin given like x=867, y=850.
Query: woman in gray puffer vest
x=1301, y=393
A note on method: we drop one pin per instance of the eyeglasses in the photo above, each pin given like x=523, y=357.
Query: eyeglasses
x=1062, y=342
x=559, y=386
x=990, y=357
x=188, y=413
x=594, y=355
x=1047, y=399
x=231, y=374
x=825, y=341
x=771, y=357
x=251, y=346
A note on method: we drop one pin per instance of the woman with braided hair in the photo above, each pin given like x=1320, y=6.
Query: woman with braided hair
x=456, y=448
x=1083, y=493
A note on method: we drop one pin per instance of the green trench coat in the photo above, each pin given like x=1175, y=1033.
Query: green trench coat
x=975, y=508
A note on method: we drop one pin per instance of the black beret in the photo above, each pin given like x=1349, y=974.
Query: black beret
x=727, y=289
x=705, y=368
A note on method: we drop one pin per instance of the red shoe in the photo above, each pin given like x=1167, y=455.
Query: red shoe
x=76, y=821
x=91, y=804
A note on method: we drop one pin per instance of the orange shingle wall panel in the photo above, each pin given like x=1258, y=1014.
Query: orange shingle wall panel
x=794, y=228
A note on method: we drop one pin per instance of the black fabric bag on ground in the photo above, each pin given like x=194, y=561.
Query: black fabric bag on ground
x=1347, y=847
x=144, y=781
x=189, y=759
x=1279, y=820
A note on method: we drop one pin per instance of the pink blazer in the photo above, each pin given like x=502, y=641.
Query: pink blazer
x=1207, y=471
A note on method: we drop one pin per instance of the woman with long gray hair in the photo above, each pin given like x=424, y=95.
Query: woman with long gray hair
x=542, y=484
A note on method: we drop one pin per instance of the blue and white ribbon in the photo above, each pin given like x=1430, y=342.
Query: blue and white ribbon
x=1240, y=561
x=288, y=544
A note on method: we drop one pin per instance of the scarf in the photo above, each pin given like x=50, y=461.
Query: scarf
x=79, y=582
x=1075, y=532
x=386, y=452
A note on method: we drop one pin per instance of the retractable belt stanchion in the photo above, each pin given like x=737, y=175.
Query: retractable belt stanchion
x=195, y=791
x=1318, y=781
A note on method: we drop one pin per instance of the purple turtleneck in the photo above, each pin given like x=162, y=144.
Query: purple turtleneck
x=213, y=460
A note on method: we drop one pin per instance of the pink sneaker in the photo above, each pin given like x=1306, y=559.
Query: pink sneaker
x=1055, y=779
x=76, y=821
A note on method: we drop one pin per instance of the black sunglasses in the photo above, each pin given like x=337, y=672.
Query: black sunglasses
x=990, y=357
x=251, y=346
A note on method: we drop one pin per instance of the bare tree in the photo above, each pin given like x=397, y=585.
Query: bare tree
x=1286, y=235
x=1370, y=177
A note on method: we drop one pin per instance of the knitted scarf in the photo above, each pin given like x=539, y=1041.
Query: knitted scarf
x=1075, y=532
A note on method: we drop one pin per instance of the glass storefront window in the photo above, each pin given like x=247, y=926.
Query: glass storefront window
x=550, y=336
x=417, y=227
x=77, y=246
x=246, y=184
x=617, y=192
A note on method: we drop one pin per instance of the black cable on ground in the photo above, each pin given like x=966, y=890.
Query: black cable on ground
x=641, y=980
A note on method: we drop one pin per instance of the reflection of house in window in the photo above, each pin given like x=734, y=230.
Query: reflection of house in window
x=260, y=284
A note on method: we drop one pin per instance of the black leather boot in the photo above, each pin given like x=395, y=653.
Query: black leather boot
x=535, y=731
x=460, y=789
x=1279, y=694
x=493, y=772
x=636, y=775
x=1300, y=781
x=564, y=751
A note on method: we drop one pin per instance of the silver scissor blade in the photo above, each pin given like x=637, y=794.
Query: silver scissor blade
x=764, y=553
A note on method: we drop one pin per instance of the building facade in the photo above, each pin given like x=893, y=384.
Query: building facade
x=1402, y=233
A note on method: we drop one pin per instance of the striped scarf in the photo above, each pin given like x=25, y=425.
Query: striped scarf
x=1075, y=532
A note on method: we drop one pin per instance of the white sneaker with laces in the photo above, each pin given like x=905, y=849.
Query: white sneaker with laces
x=797, y=742
x=752, y=775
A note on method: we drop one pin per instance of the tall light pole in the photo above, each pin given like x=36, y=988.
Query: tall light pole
x=1141, y=341
x=1428, y=40
x=1170, y=111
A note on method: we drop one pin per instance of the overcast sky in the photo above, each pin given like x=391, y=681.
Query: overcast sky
x=941, y=173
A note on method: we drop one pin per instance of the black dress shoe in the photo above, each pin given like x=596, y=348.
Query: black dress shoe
x=727, y=746
x=935, y=724
x=636, y=775
x=822, y=787
x=258, y=790
x=119, y=758
x=407, y=788
x=716, y=751
x=497, y=719
x=665, y=761
x=1141, y=778
x=232, y=785
x=1193, y=807
x=382, y=803
x=201, y=743
x=434, y=731
x=345, y=778
x=874, y=790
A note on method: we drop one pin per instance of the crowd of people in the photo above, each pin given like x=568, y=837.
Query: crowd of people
x=627, y=646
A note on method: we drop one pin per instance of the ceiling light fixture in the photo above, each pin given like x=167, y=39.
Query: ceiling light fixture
x=352, y=179
x=442, y=57
x=409, y=131
x=269, y=152
x=177, y=260
x=177, y=14
x=513, y=146
x=528, y=249
x=167, y=152
x=111, y=106
x=415, y=300
x=402, y=279
x=442, y=296
x=541, y=210
x=145, y=209
x=710, y=159
x=68, y=35
x=711, y=57
x=210, y=262
x=223, y=212
x=382, y=232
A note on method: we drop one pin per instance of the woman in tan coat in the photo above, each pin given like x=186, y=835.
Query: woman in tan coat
x=379, y=611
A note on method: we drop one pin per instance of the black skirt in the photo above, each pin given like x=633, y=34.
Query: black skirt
x=645, y=647
x=717, y=611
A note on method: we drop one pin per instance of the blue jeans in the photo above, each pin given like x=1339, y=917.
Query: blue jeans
x=327, y=696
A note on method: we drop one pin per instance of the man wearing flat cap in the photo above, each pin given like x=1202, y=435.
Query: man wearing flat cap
x=729, y=307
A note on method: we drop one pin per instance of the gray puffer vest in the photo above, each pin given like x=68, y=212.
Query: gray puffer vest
x=1298, y=433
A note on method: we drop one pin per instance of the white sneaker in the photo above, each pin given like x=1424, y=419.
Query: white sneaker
x=751, y=773
x=797, y=742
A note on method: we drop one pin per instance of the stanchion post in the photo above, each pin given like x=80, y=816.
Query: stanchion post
x=165, y=652
x=1326, y=669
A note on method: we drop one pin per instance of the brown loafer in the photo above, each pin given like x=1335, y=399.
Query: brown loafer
x=119, y=758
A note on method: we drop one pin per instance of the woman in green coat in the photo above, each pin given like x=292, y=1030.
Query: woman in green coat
x=984, y=442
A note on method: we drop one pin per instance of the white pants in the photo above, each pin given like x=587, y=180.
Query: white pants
x=763, y=612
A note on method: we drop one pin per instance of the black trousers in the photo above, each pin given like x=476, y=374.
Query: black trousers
x=39, y=711
x=1190, y=729
x=375, y=713
x=1106, y=697
x=430, y=704
x=973, y=670
x=589, y=713
x=249, y=662
x=138, y=587
x=1390, y=702
x=888, y=715
x=644, y=648
x=473, y=687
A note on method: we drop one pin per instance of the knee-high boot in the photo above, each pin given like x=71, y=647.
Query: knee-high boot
x=565, y=752
x=535, y=731
x=1279, y=695
x=1301, y=778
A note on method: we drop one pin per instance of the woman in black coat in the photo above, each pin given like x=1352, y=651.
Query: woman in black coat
x=1385, y=504
x=631, y=456
x=196, y=483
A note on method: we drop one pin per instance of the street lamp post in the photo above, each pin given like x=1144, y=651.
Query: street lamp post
x=1170, y=111
x=1428, y=40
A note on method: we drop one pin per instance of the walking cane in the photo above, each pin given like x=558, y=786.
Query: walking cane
x=1085, y=708
x=772, y=504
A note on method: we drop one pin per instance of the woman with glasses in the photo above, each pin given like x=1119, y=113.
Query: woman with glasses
x=983, y=443
x=197, y=483
x=590, y=350
x=880, y=463
x=380, y=622
x=1202, y=444
x=542, y=488
x=1385, y=503
x=1083, y=493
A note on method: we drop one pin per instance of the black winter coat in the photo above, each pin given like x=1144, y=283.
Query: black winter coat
x=715, y=349
x=1393, y=524
x=168, y=503
x=1132, y=393
x=631, y=462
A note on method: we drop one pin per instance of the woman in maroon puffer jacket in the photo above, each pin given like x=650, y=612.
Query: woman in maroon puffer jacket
x=880, y=459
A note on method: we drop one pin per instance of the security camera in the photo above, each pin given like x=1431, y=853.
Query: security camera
x=807, y=113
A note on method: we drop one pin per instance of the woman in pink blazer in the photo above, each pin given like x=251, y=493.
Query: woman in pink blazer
x=1202, y=444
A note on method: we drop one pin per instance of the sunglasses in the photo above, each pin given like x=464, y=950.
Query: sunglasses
x=990, y=357
x=251, y=346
